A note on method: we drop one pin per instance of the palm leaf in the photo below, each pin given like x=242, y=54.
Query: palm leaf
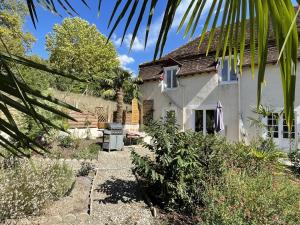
x=15, y=94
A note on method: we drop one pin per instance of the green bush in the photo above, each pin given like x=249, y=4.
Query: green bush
x=91, y=152
x=68, y=142
x=294, y=156
x=183, y=164
x=258, y=156
x=85, y=169
x=254, y=200
x=26, y=188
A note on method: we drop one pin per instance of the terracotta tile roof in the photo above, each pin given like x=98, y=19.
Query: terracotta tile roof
x=193, y=59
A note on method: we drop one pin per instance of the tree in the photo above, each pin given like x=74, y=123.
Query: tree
x=77, y=47
x=12, y=15
x=113, y=85
x=37, y=79
x=16, y=95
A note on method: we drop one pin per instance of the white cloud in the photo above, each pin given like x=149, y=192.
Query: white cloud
x=125, y=60
x=182, y=9
x=138, y=44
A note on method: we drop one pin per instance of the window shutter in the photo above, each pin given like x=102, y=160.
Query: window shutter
x=175, y=84
x=169, y=79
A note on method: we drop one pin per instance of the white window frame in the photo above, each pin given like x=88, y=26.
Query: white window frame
x=204, y=108
x=220, y=68
x=281, y=141
x=171, y=68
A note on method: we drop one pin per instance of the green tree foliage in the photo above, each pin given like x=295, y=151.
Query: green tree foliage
x=12, y=15
x=37, y=79
x=79, y=48
x=17, y=97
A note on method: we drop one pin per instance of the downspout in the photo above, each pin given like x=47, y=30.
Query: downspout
x=183, y=104
x=239, y=107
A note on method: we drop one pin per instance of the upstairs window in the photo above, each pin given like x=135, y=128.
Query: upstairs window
x=227, y=73
x=171, y=77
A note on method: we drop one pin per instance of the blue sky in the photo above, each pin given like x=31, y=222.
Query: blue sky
x=129, y=60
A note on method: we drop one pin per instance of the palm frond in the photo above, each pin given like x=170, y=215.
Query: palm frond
x=17, y=96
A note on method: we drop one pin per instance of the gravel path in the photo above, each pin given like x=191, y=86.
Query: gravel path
x=116, y=199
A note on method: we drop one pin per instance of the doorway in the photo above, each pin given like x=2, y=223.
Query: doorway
x=278, y=129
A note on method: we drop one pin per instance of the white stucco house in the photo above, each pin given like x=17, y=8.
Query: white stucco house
x=189, y=83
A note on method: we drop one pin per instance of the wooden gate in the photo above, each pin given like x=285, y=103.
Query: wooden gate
x=148, y=111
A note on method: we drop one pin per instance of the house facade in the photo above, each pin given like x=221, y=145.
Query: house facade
x=190, y=83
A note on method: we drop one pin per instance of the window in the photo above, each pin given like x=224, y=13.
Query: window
x=171, y=77
x=227, y=73
x=277, y=127
x=272, y=125
x=205, y=121
x=285, y=132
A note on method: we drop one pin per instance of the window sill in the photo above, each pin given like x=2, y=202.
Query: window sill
x=228, y=82
x=171, y=89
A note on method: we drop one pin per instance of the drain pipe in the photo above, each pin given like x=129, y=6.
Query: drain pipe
x=239, y=107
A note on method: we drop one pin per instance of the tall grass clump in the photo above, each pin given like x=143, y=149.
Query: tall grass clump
x=26, y=187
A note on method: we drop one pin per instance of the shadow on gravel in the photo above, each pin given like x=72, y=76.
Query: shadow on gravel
x=119, y=190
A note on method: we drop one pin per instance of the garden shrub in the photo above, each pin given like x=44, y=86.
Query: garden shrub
x=68, y=142
x=258, y=156
x=254, y=200
x=26, y=188
x=85, y=169
x=183, y=164
x=294, y=156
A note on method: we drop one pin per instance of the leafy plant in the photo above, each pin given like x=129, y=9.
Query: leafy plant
x=85, y=169
x=183, y=163
x=67, y=141
x=294, y=156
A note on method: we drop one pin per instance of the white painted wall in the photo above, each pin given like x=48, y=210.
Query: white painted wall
x=196, y=92
x=272, y=95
